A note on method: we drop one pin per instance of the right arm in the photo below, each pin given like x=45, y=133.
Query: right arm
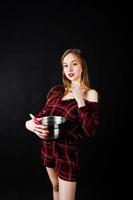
x=40, y=130
x=32, y=125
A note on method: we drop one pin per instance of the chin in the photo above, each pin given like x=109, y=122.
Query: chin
x=70, y=78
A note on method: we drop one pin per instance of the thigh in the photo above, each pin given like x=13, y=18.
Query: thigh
x=52, y=175
x=67, y=190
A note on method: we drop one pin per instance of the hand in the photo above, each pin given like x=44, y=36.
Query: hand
x=34, y=125
x=36, y=120
x=78, y=94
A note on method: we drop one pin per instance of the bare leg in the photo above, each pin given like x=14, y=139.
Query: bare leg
x=54, y=180
x=67, y=190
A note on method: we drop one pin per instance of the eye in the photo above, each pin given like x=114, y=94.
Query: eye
x=65, y=66
x=74, y=64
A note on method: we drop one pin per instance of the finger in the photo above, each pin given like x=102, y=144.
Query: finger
x=72, y=90
x=36, y=120
x=32, y=116
x=41, y=131
x=40, y=135
x=42, y=127
x=39, y=119
x=44, y=133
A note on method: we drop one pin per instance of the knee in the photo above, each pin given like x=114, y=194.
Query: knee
x=55, y=186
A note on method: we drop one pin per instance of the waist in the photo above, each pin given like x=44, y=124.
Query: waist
x=68, y=140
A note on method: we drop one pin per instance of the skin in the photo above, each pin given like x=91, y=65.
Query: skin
x=40, y=130
x=71, y=66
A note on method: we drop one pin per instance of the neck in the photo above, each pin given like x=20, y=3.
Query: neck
x=76, y=83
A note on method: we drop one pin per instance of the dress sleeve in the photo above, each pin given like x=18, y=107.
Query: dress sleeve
x=54, y=90
x=89, y=117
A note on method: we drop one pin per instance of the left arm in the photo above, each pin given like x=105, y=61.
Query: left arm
x=89, y=120
x=89, y=112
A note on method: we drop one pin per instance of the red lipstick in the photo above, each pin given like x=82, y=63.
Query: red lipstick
x=71, y=74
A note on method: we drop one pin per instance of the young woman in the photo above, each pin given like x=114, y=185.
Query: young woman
x=78, y=103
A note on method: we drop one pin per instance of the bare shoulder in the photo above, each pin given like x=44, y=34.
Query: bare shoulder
x=92, y=95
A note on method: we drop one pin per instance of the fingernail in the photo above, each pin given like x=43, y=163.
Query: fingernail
x=36, y=121
x=31, y=115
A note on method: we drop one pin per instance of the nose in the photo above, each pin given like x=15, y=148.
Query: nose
x=70, y=68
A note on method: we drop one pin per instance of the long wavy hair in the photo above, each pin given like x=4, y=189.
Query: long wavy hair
x=85, y=83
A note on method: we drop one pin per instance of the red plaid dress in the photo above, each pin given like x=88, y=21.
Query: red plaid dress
x=63, y=154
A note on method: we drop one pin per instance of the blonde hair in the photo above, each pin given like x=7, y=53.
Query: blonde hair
x=84, y=77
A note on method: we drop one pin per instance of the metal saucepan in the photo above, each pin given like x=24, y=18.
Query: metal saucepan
x=55, y=126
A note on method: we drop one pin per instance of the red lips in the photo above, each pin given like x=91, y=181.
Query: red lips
x=71, y=74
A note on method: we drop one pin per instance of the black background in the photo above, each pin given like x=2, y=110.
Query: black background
x=32, y=39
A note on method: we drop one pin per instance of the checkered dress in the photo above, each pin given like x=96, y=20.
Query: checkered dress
x=63, y=154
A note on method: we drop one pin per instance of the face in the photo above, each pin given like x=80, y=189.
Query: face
x=72, y=68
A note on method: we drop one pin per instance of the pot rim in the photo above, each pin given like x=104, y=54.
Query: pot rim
x=53, y=120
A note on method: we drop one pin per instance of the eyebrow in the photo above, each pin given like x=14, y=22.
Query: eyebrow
x=70, y=62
